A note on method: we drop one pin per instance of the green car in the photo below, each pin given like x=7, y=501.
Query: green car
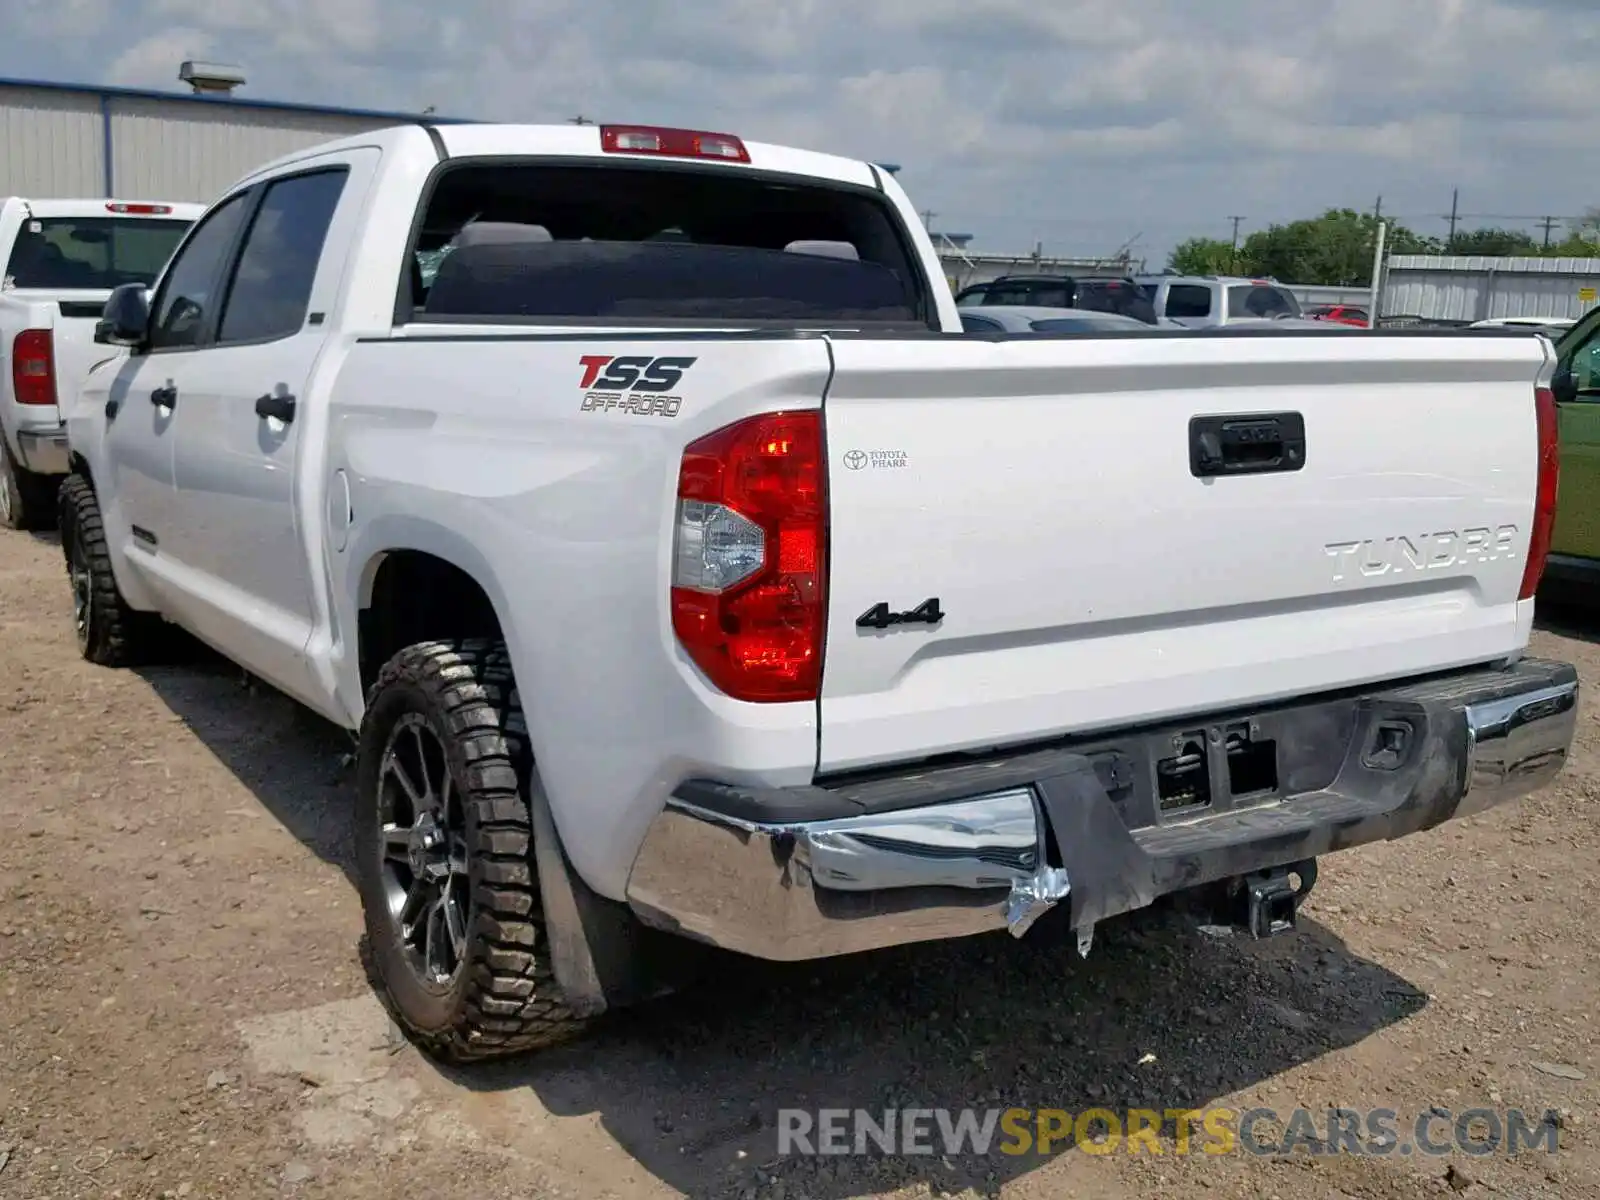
x=1575, y=541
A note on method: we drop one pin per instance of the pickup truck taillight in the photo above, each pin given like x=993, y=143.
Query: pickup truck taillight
x=1544, y=505
x=33, y=367
x=749, y=565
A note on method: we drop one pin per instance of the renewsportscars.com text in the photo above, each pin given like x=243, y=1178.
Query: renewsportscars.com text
x=1437, y=1131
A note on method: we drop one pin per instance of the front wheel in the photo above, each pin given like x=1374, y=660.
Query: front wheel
x=444, y=843
x=109, y=633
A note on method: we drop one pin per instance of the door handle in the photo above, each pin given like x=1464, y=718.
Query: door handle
x=280, y=407
x=164, y=397
x=1246, y=444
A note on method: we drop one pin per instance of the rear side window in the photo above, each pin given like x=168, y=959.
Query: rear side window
x=1051, y=294
x=1188, y=300
x=271, y=287
x=91, y=252
x=599, y=242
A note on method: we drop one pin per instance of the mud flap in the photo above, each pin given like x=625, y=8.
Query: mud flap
x=600, y=953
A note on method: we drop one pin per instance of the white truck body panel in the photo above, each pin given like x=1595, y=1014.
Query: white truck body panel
x=1089, y=580
x=1044, y=497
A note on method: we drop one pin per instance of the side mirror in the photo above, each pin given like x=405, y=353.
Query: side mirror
x=1564, y=385
x=125, y=320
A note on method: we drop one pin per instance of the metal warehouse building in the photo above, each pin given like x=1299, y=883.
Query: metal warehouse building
x=64, y=140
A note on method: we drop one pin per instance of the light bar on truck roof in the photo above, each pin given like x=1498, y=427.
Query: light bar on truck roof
x=144, y=210
x=672, y=143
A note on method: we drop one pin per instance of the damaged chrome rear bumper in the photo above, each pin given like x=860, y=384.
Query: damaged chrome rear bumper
x=800, y=873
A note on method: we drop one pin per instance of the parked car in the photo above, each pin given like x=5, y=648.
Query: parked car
x=1093, y=292
x=1343, y=314
x=1215, y=301
x=1574, y=569
x=1003, y=318
x=61, y=259
x=703, y=589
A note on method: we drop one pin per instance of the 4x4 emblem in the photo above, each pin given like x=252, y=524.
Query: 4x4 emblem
x=879, y=616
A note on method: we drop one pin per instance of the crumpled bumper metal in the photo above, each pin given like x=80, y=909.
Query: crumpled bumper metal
x=806, y=882
x=812, y=889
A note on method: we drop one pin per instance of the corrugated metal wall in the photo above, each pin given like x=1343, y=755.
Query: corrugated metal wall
x=56, y=142
x=51, y=143
x=1457, y=288
x=192, y=152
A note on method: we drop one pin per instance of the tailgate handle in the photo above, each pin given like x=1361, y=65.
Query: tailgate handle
x=1246, y=444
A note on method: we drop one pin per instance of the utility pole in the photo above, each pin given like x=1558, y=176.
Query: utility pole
x=1377, y=210
x=1455, y=196
x=927, y=216
x=1233, y=254
x=580, y=119
x=1549, y=223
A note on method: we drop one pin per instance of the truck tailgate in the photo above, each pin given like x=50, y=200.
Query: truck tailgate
x=76, y=351
x=1041, y=491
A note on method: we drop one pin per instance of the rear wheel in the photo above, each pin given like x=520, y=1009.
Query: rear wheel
x=444, y=840
x=26, y=499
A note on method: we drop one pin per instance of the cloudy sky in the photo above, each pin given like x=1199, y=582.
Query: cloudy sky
x=1081, y=124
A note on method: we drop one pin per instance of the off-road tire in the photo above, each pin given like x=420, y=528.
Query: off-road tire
x=27, y=501
x=114, y=635
x=504, y=999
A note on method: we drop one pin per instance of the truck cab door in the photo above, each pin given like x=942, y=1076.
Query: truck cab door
x=1577, y=529
x=141, y=398
x=245, y=545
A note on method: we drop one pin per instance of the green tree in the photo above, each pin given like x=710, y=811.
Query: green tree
x=1335, y=248
x=1495, y=243
x=1202, y=256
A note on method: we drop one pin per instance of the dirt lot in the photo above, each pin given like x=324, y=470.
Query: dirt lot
x=184, y=1011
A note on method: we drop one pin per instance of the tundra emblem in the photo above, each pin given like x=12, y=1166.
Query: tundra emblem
x=1374, y=557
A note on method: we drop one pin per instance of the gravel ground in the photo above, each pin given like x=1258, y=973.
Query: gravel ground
x=184, y=1011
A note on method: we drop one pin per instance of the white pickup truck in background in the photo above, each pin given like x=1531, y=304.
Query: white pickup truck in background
x=690, y=577
x=59, y=261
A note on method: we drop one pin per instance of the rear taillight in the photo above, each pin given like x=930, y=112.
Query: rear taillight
x=1544, y=506
x=749, y=569
x=118, y=206
x=33, y=367
x=672, y=143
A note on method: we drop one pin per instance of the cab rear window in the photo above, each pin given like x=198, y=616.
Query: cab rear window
x=602, y=242
x=92, y=253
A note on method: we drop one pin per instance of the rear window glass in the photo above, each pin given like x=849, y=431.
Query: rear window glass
x=608, y=243
x=91, y=252
x=1188, y=300
x=1116, y=296
x=1261, y=300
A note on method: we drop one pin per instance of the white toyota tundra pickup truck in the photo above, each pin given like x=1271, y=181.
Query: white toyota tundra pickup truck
x=59, y=261
x=689, y=578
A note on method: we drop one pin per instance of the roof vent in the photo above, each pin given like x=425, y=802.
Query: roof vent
x=216, y=79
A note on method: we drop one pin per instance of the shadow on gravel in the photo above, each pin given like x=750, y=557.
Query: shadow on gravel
x=1568, y=612
x=284, y=753
x=1160, y=1016
x=691, y=1086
